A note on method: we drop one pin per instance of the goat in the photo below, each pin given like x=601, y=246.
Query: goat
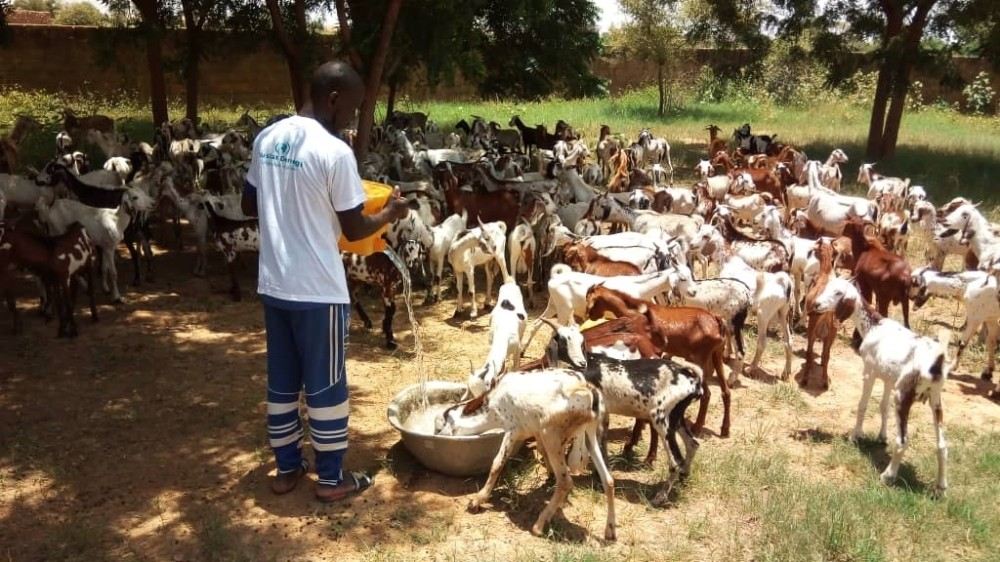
x=584, y=258
x=231, y=238
x=655, y=151
x=10, y=144
x=554, y=406
x=911, y=368
x=568, y=291
x=824, y=323
x=829, y=172
x=692, y=333
x=75, y=125
x=879, y=184
x=715, y=144
x=483, y=245
x=57, y=261
x=764, y=254
x=443, y=236
x=729, y=299
x=377, y=270
x=507, y=321
x=523, y=250
x=879, y=271
x=105, y=226
x=657, y=390
x=772, y=296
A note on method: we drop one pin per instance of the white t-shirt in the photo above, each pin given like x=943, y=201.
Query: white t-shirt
x=303, y=175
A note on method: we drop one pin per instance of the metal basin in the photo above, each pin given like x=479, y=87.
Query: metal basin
x=465, y=455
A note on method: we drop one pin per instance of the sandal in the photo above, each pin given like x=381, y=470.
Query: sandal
x=285, y=482
x=354, y=483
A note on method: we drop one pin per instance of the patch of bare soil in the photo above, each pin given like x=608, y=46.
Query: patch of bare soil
x=145, y=439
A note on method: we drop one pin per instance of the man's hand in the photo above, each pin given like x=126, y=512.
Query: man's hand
x=356, y=225
x=397, y=207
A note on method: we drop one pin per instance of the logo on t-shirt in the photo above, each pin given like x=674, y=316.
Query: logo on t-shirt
x=279, y=156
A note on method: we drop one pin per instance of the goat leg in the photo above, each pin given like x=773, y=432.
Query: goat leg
x=507, y=448
x=390, y=312
x=147, y=250
x=131, y=236
x=234, y=288
x=633, y=439
x=88, y=273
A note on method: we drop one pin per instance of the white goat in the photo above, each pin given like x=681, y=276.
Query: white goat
x=911, y=368
x=507, y=321
x=553, y=406
x=444, y=234
x=879, y=184
x=484, y=245
x=523, y=251
x=772, y=296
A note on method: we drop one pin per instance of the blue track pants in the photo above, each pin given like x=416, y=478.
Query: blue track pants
x=305, y=353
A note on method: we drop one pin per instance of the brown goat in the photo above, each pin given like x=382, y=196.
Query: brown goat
x=715, y=144
x=765, y=180
x=823, y=325
x=57, y=261
x=580, y=256
x=688, y=332
x=76, y=125
x=878, y=271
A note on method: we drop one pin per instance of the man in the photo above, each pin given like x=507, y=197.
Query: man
x=304, y=186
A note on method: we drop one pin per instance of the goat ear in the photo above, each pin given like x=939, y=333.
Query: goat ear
x=643, y=308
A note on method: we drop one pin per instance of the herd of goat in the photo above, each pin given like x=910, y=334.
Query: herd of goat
x=603, y=228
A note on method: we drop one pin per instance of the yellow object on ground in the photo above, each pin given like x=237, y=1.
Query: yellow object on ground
x=378, y=195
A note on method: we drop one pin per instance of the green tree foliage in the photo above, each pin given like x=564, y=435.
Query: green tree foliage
x=650, y=35
x=536, y=48
x=896, y=35
x=80, y=13
x=49, y=6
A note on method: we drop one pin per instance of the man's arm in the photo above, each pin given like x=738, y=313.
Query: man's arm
x=356, y=226
x=248, y=203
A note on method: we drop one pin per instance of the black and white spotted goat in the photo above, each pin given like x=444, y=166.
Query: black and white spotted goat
x=654, y=390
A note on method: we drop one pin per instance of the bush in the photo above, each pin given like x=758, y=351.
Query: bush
x=979, y=94
x=80, y=13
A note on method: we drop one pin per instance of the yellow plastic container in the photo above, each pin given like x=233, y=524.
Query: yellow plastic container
x=378, y=195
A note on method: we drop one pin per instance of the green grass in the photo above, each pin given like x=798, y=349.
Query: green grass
x=947, y=152
x=805, y=516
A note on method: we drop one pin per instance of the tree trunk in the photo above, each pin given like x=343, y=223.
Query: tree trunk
x=344, y=30
x=900, y=87
x=293, y=56
x=191, y=66
x=390, y=105
x=154, y=59
x=660, y=85
x=882, y=90
x=366, y=116
x=157, y=83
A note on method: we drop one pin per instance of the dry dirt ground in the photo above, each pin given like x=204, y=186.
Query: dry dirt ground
x=144, y=439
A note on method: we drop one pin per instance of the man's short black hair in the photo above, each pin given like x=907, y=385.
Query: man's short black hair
x=333, y=76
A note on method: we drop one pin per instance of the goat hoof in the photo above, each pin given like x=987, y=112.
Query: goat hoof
x=609, y=534
x=474, y=506
x=391, y=345
x=724, y=432
x=537, y=530
x=887, y=478
x=986, y=375
x=650, y=460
